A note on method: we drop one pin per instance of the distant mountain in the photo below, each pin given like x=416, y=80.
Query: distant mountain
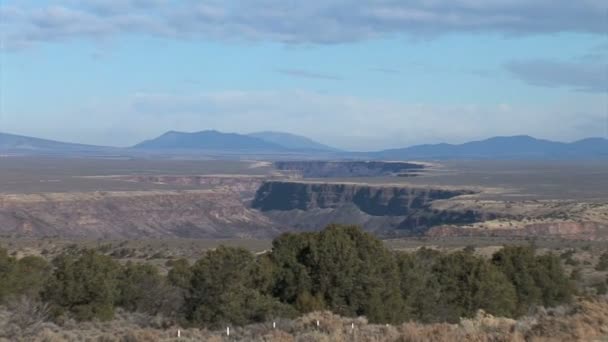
x=209, y=140
x=29, y=145
x=292, y=141
x=514, y=147
x=176, y=143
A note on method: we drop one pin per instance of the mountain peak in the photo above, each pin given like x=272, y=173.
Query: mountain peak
x=292, y=141
x=267, y=141
x=512, y=138
x=208, y=140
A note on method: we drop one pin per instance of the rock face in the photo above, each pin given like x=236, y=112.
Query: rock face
x=372, y=200
x=384, y=209
x=328, y=169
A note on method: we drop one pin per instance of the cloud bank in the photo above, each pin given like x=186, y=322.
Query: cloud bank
x=587, y=77
x=296, y=22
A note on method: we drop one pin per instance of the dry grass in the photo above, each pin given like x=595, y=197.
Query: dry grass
x=586, y=320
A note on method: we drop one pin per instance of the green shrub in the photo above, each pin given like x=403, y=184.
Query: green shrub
x=84, y=284
x=467, y=283
x=419, y=288
x=538, y=280
x=180, y=273
x=222, y=291
x=445, y=287
x=341, y=268
x=23, y=277
x=8, y=265
x=575, y=275
x=602, y=264
x=601, y=288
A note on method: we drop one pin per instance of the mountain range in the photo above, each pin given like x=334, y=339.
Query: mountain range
x=279, y=143
x=513, y=147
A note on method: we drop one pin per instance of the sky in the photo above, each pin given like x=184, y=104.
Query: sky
x=358, y=75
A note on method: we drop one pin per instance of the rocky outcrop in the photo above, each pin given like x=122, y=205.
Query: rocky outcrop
x=383, y=209
x=334, y=169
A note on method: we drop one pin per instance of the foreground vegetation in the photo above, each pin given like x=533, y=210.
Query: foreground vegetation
x=340, y=269
x=583, y=320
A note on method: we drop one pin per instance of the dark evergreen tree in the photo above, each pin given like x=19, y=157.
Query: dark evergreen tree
x=223, y=291
x=538, y=280
x=84, y=285
x=342, y=268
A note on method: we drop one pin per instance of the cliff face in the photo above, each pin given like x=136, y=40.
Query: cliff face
x=372, y=200
x=377, y=208
x=327, y=169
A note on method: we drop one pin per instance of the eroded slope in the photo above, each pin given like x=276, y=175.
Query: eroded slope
x=217, y=212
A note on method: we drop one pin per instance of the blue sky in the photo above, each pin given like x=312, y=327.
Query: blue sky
x=362, y=75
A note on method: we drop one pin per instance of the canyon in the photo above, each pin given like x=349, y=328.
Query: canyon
x=262, y=200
